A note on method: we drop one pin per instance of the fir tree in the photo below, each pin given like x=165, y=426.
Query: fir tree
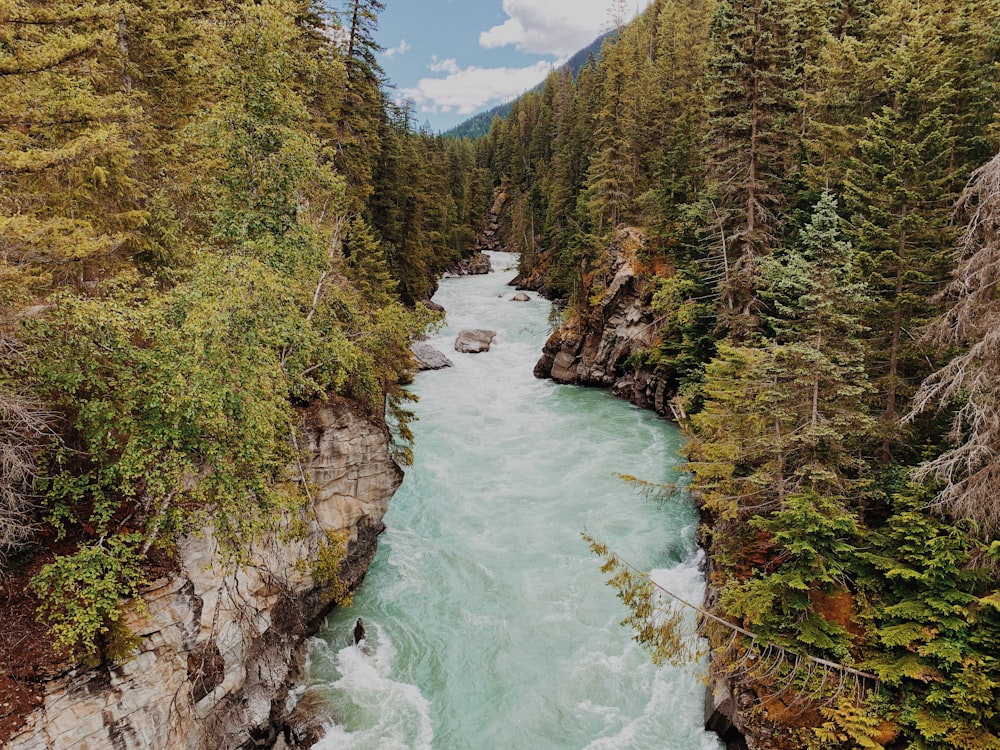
x=752, y=119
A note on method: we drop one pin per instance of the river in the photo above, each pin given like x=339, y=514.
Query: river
x=489, y=626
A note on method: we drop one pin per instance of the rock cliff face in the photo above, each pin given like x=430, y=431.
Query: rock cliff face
x=219, y=648
x=477, y=262
x=594, y=351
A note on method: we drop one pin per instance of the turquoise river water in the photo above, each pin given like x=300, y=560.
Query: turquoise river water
x=489, y=626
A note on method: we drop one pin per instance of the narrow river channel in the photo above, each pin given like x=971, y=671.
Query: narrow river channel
x=489, y=626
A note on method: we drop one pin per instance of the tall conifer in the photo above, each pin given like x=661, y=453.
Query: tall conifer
x=751, y=69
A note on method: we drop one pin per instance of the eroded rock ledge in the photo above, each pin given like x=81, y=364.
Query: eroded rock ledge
x=594, y=351
x=218, y=648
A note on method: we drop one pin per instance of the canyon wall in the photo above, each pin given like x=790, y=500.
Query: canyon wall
x=594, y=350
x=218, y=651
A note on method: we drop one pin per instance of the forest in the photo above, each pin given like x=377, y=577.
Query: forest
x=212, y=214
x=818, y=192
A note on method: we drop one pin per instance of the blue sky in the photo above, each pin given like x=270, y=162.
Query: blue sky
x=458, y=57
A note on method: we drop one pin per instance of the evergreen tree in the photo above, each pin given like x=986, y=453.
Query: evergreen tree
x=815, y=301
x=898, y=187
x=362, y=103
x=787, y=416
x=675, y=97
x=67, y=195
x=613, y=168
x=753, y=106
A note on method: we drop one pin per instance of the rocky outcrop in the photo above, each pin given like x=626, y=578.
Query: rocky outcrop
x=429, y=358
x=489, y=238
x=474, y=340
x=594, y=350
x=723, y=715
x=477, y=262
x=218, y=649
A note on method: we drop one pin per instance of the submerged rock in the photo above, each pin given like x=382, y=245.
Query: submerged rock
x=429, y=358
x=474, y=340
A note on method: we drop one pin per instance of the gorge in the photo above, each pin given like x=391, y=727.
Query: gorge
x=775, y=221
x=488, y=623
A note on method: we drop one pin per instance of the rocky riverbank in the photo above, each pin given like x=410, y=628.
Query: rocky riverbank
x=594, y=350
x=219, y=648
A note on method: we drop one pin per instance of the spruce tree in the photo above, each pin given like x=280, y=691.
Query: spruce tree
x=751, y=72
x=899, y=189
x=67, y=193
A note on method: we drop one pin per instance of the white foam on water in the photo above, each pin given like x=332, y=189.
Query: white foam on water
x=503, y=634
x=379, y=713
x=671, y=702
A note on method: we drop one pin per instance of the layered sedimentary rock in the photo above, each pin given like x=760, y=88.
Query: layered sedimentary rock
x=594, y=350
x=219, y=646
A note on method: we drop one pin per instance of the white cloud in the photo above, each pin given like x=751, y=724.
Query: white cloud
x=464, y=90
x=449, y=65
x=552, y=27
x=401, y=49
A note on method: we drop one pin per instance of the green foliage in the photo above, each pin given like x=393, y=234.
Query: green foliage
x=325, y=563
x=816, y=539
x=848, y=723
x=84, y=598
x=687, y=337
x=659, y=623
x=938, y=645
x=158, y=390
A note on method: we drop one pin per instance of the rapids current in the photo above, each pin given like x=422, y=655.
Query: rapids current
x=489, y=625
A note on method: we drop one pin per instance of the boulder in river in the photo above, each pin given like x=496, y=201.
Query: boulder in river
x=520, y=297
x=474, y=265
x=432, y=306
x=306, y=725
x=474, y=340
x=429, y=358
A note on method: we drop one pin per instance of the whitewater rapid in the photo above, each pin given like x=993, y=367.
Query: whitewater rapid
x=489, y=625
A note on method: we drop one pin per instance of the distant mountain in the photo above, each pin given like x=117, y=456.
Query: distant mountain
x=479, y=125
x=577, y=61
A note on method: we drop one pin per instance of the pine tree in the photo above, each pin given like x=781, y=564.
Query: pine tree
x=67, y=203
x=752, y=119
